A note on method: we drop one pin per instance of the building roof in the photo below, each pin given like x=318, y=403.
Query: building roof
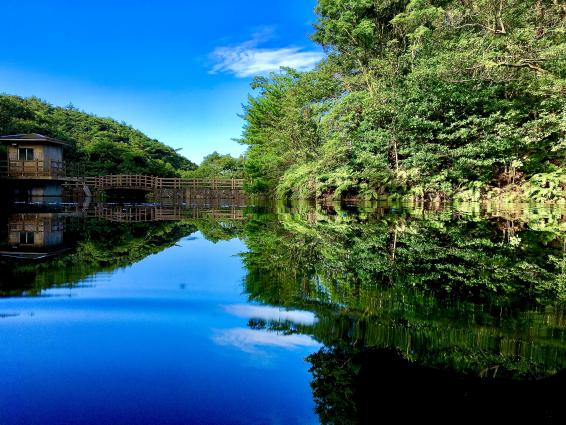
x=33, y=138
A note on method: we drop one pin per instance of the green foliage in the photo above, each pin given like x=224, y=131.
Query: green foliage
x=219, y=166
x=425, y=98
x=547, y=186
x=103, y=145
x=460, y=289
x=281, y=123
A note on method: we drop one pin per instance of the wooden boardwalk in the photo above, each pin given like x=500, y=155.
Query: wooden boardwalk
x=58, y=172
x=61, y=171
x=152, y=184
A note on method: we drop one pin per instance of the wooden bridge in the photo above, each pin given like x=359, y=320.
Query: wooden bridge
x=59, y=173
x=33, y=164
x=151, y=184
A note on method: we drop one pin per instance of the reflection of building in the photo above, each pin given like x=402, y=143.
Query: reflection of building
x=34, y=235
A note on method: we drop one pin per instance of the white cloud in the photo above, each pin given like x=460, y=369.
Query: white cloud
x=248, y=59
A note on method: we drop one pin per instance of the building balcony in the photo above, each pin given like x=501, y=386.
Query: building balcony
x=37, y=169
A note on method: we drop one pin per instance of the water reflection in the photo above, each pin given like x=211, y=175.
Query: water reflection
x=468, y=300
x=265, y=313
x=251, y=341
x=43, y=246
x=34, y=236
x=383, y=301
x=144, y=213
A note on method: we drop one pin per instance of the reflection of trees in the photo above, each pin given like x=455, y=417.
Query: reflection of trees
x=219, y=230
x=456, y=296
x=100, y=245
x=464, y=258
x=370, y=385
x=453, y=255
x=415, y=280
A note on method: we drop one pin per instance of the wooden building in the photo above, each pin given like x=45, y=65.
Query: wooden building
x=32, y=165
x=32, y=156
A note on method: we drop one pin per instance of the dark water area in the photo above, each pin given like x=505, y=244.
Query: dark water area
x=282, y=314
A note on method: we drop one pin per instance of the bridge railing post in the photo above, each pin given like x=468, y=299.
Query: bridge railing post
x=127, y=181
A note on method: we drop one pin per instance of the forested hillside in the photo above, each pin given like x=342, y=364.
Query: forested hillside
x=426, y=99
x=103, y=145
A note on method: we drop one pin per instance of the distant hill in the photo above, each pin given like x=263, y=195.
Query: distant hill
x=104, y=145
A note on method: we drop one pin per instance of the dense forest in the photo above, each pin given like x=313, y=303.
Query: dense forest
x=102, y=145
x=419, y=99
x=424, y=99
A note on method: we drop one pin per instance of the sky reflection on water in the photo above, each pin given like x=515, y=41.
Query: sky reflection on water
x=153, y=343
x=283, y=314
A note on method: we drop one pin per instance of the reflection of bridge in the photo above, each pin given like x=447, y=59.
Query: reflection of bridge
x=37, y=236
x=140, y=214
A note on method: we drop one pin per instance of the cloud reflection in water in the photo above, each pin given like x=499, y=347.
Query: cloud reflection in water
x=250, y=340
x=267, y=313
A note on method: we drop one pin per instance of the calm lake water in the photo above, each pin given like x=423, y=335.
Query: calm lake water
x=303, y=314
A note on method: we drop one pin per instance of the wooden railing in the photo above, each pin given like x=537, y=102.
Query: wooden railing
x=138, y=182
x=74, y=172
x=215, y=184
x=121, y=182
x=33, y=168
x=39, y=168
x=138, y=214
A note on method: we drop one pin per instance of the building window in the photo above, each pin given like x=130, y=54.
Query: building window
x=27, y=238
x=25, y=154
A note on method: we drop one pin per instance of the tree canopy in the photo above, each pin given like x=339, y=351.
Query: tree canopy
x=431, y=99
x=216, y=165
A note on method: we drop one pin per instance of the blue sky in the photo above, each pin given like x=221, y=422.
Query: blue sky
x=177, y=70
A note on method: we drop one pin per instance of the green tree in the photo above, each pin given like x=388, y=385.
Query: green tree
x=103, y=145
x=431, y=99
x=216, y=165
